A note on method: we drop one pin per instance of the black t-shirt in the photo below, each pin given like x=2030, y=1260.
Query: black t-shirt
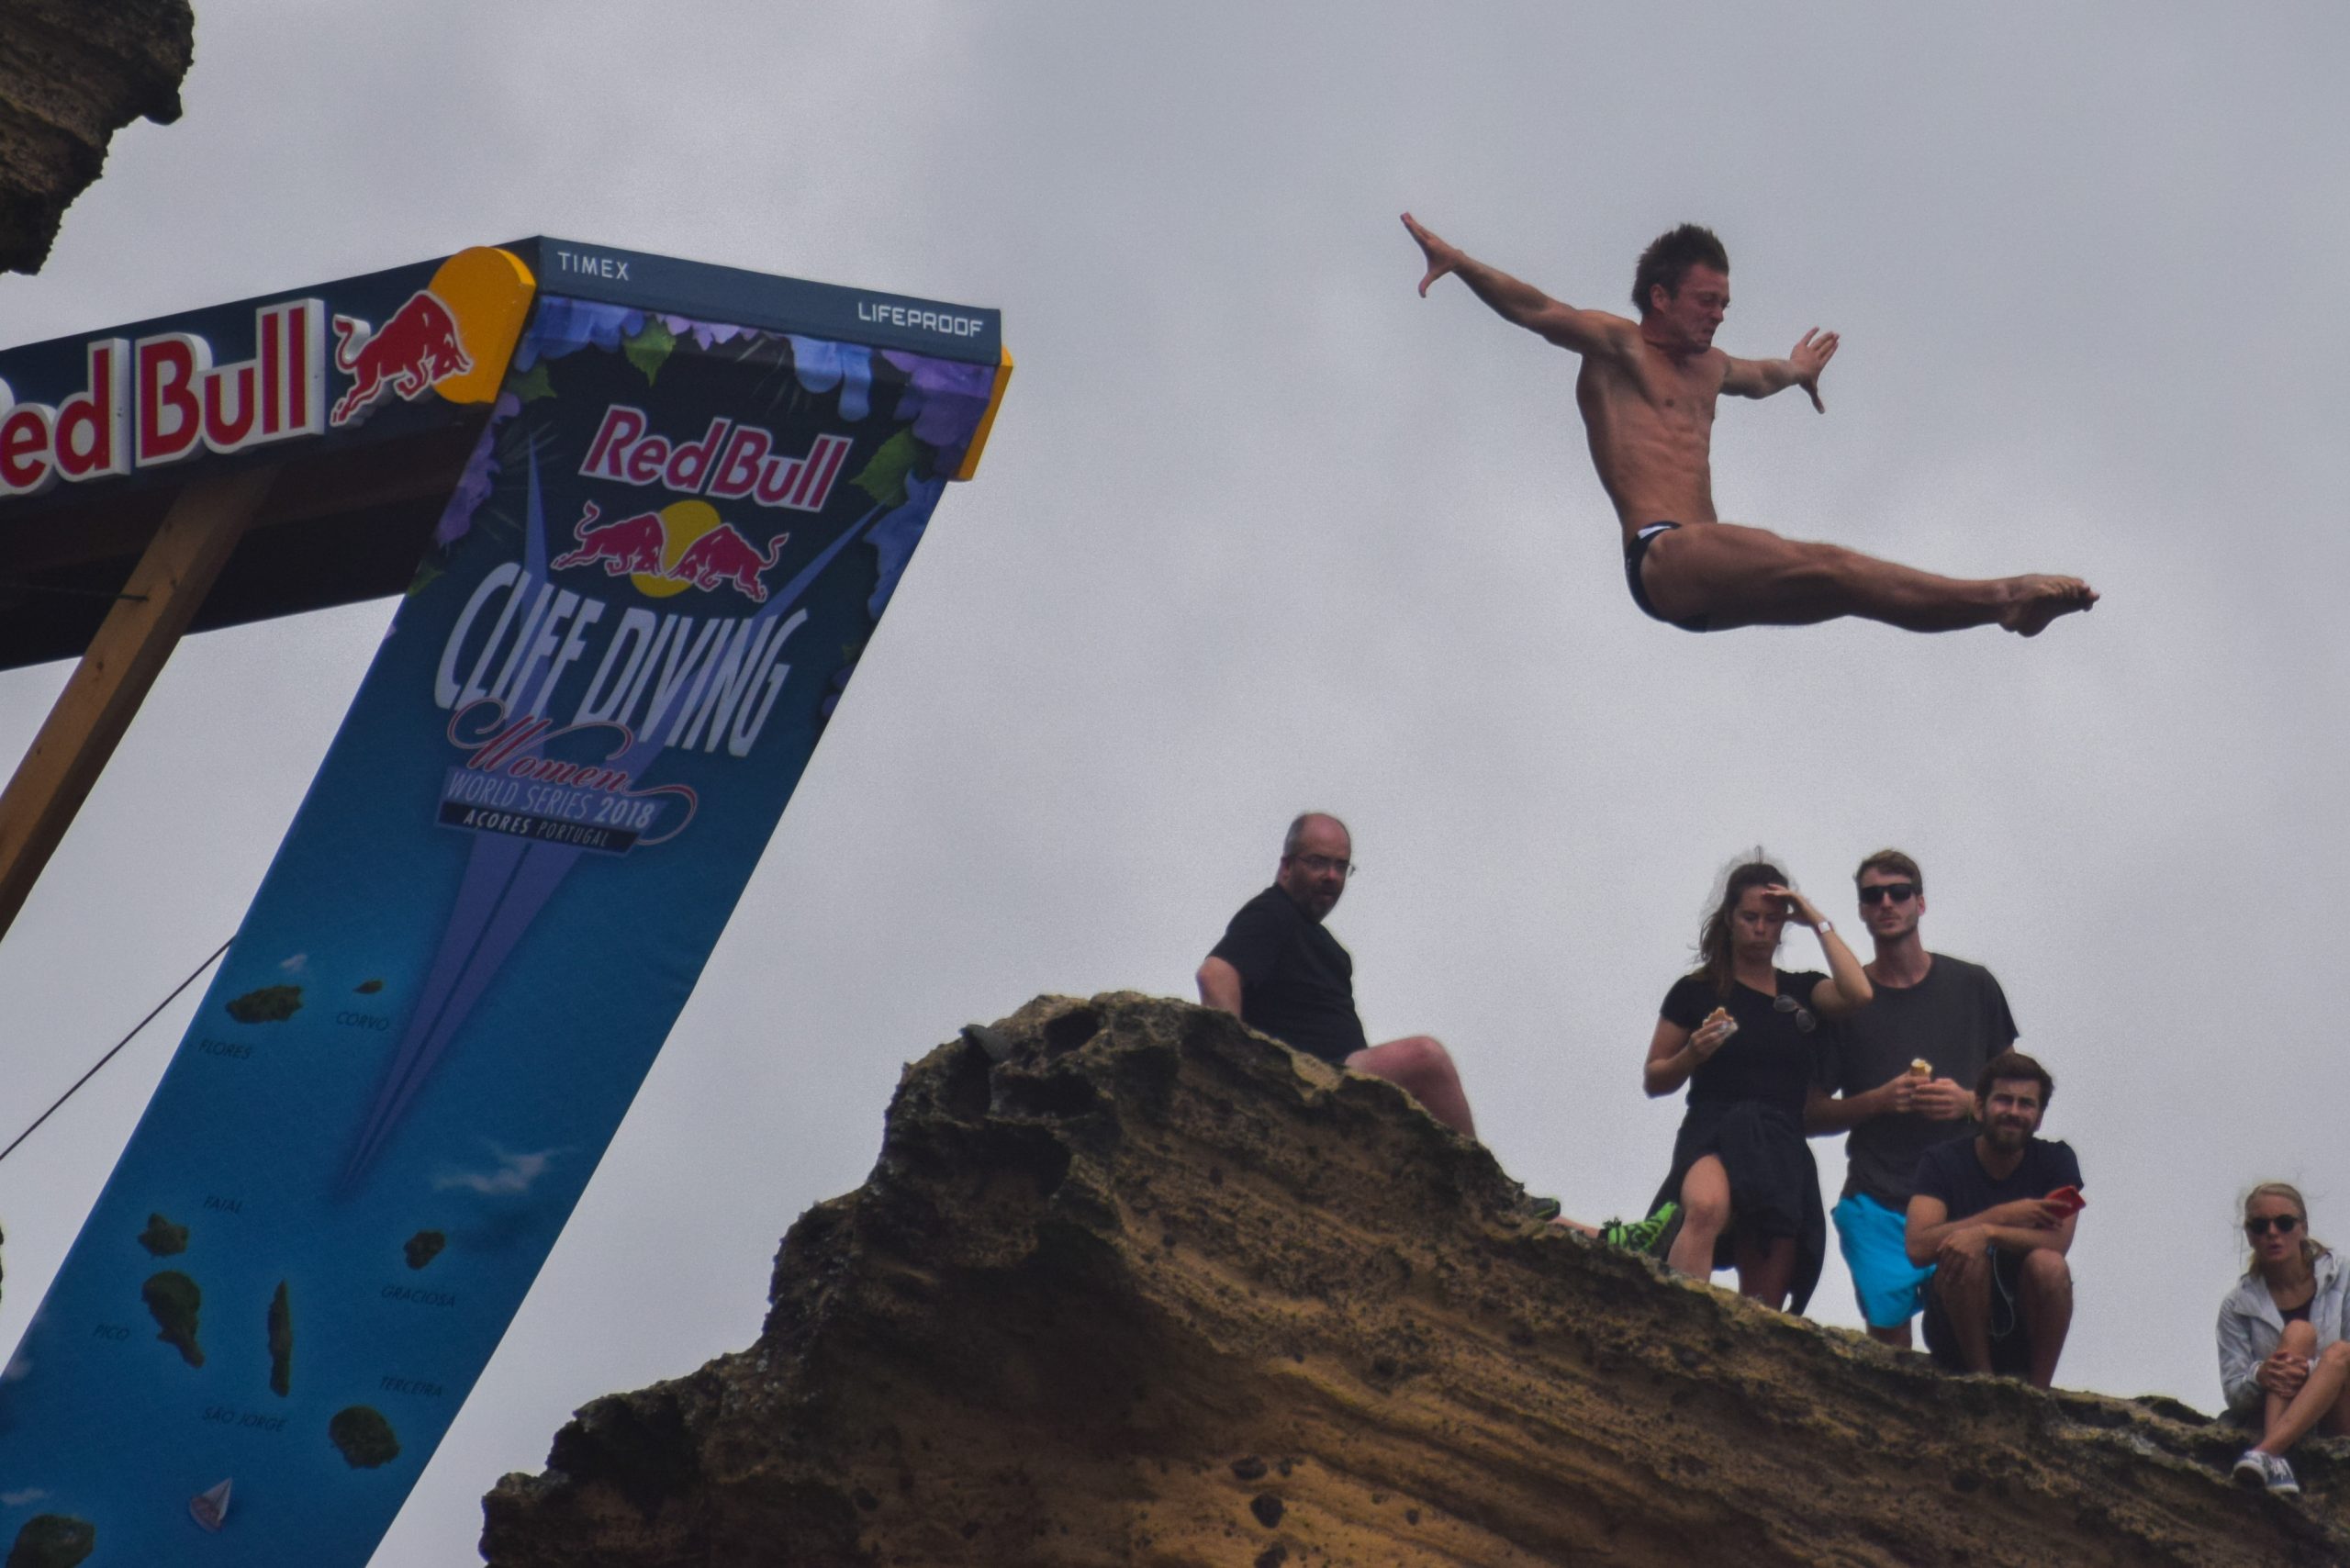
x=1296, y=983
x=1951, y=1173
x=1776, y=1055
x=1956, y=1018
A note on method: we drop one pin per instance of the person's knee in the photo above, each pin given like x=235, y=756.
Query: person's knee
x=2046, y=1271
x=1419, y=1059
x=1821, y=567
x=2299, y=1340
x=1963, y=1282
x=2335, y=1355
x=1705, y=1206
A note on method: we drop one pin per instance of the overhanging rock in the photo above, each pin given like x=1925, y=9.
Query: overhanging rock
x=71, y=73
x=1155, y=1290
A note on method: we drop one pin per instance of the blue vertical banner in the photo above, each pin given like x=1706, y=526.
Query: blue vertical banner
x=640, y=606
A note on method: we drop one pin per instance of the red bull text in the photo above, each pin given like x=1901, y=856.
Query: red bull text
x=741, y=467
x=163, y=399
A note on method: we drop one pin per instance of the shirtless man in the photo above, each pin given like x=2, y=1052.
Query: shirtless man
x=1647, y=392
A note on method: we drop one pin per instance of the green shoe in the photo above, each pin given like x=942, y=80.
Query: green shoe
x=1643, y=1236
x=1544, y=1209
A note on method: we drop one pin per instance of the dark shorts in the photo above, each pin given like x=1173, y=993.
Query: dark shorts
x=1636, y=549
x=2010, y=1346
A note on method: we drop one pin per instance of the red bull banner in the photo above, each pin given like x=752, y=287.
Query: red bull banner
x=692, y=495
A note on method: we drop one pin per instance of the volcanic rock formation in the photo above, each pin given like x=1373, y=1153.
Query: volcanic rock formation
x=71, y=73
x=1131, y=1285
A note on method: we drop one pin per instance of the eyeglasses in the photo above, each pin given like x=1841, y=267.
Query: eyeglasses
x=1322, y=865
x=2260, y=1225
x=1804, y=1021
x=1900, y=892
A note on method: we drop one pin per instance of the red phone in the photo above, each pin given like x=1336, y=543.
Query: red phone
x=2070, y=1197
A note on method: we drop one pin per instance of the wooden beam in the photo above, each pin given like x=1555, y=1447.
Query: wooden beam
x=103, y=694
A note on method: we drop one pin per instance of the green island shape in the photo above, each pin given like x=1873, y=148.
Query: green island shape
x=363, y=1436
x=368, y=987
x=424, y=1247
x=53, y=1540
x=270, y=1005
x=281, y=1343
x=161, y=1237
x=173, y=1299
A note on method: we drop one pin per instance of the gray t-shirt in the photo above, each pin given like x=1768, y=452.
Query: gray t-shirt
x=1956, y=1018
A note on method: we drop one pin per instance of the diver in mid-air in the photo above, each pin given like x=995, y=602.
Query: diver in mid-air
x=1647, y=392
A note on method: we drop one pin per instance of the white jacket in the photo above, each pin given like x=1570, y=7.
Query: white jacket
x=2250, y=1327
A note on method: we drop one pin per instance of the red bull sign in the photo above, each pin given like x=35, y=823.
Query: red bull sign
x=654, y=521
x=175, y=393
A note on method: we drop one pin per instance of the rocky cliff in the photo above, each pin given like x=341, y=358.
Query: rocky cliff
x=71, y=73
x=1130, y=1284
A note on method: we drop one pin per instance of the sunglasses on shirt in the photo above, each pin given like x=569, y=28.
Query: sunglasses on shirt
x=1804, y=1021
x=2284, y=1224
x=1900, y=892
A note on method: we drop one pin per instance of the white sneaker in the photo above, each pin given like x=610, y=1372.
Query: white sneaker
x=2258, y=1472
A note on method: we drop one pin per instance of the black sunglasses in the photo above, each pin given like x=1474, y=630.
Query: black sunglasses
x=1804, y=1021
x=2284, y=1224
x=1900, y=892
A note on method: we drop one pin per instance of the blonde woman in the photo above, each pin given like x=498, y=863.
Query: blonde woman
x=2283, y=1359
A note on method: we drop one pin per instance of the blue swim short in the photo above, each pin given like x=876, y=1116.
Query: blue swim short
x=1891, y=1288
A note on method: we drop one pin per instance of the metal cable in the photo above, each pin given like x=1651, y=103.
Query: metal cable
x=85, y=1078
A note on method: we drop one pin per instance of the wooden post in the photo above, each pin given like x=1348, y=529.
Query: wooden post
x=104, y=692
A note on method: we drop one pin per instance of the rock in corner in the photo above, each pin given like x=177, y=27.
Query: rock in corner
x=1130, y=1284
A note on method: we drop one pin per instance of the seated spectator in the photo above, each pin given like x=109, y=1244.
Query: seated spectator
x=1995, y=1215
x=1283, y=974
x=2283, y=1361
x=1745, y=1035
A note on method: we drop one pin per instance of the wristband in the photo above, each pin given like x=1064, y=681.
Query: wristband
x=1825, y=926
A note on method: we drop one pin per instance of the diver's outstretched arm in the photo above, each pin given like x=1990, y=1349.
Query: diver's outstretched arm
x=1522, y=303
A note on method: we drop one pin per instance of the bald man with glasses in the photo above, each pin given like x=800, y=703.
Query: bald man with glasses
x=1283, y=974
x=1901, y=1071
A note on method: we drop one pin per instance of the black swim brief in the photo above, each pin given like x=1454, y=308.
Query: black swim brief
x=1635, y=548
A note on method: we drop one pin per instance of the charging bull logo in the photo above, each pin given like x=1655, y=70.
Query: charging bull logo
x=418, y=346
x=684, y=545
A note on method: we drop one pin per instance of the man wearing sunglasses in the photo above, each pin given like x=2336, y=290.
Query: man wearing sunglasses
x=1283, y=974
x=1929, y=1007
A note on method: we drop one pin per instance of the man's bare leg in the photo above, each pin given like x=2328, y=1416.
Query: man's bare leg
x=1736, y=576
x=1965, y=1290
x=1421, y=1069
x=2047, y=1291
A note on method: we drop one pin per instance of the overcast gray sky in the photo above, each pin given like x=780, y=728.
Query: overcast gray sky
x=1261, y=530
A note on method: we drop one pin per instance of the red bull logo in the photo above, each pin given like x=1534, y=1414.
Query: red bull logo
x=685, y=545
x=728, y=462
x=418, y=346
x=724, y=555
